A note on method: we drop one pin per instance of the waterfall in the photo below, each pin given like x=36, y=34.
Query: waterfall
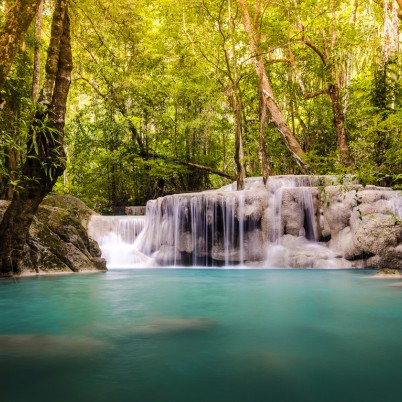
x=213, y=228
x=292, y=221
x=309, y=215
x=116, y=238
x=276, y=186
x=396, y=206
x=202, y=230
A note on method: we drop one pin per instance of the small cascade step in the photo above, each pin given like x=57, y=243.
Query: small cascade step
x=116, y=236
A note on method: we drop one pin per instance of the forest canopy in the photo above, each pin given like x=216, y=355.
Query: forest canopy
x=171, y=96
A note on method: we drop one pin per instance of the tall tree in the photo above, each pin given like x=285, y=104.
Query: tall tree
x=231, y=77
x=45, y=156
x=17, y=21
x=331, y=77
x=235, y=100
x=265, y=87
x=266, y=168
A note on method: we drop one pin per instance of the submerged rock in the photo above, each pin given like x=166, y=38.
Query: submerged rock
x=389, y=273
x=58, y=240
x=43, y=346
x=169, y=325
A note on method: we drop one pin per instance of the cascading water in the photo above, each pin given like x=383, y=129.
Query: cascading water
x=194, y=230
x=300, y=226
x=116, y=236
x=309, y=218
x=300, y=187
x=215, y=228
x=224, y=227
x=293, y=221
x=396, y=206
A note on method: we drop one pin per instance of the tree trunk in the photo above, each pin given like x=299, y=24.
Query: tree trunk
x=390, y=43
x=134, y=132
x=236, y=102
x=331, y=78
x=399, y=11
x=390, y=32
x=11, y=153
x=38, y=46
x=239, y=152
x=11, y=157
x=266, y=169
x=339, y=122
x=348, y=74
x=265, y=166
x=45, y=157
x=276, y=114
x=53, y=54
x=17, y=21
x=336, y=101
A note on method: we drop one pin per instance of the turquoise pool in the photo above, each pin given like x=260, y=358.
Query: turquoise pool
x=201, y=335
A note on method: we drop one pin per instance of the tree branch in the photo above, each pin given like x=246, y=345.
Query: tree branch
x=192, y=165
x=207, y=169
x=274, y=61
x=93, y=86
x=102, y=42
x=316, y=93
x=316, y=50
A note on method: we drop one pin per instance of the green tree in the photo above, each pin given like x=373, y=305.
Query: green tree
x=45, y=154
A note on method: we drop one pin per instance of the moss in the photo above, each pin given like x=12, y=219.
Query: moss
x=389, y=272
x=58, y=240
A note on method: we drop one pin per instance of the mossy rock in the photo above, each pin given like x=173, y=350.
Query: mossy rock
x=72, y=205
x=389, y=272
x=58, y=238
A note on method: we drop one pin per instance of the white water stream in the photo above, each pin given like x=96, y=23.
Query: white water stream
x=116, y=237
x=269, y=226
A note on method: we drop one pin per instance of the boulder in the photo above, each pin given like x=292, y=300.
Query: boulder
x=58, y=240
x=337, y=205
x=363, y=224
x=292, y=212
x=377, y=233
x=167, y=255
x=73, y=205
x=344, y=242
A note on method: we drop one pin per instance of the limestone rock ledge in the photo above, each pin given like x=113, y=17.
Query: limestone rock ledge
x=58, y=239
x=291, y=222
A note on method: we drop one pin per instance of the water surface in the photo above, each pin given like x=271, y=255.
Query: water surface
x=204, y=335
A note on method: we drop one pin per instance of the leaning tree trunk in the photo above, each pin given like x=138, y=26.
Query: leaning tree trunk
x=277, y=117
x=45, y=157
x=18, y=19
x=266, y=169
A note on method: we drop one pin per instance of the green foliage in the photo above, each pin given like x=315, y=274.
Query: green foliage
x=152, y=87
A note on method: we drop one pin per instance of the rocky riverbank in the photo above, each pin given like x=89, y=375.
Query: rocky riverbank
x=58, y=240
